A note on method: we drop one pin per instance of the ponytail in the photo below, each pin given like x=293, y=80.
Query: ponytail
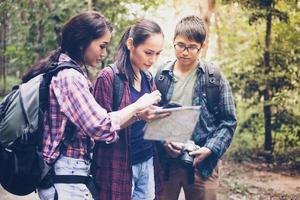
x=122, y=60
x=42, y=65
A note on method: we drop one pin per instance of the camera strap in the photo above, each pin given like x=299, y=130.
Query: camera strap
x=190, y=172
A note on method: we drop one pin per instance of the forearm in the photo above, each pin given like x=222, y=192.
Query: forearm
x=221, y=138
x=127, y=115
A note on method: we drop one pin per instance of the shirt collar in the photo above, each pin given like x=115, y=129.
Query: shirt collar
x=169, y=66
x=65, y=58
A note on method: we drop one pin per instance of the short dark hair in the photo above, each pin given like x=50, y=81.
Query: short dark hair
x=191, y=27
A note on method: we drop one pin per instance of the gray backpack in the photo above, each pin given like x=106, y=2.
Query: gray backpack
x=21, y=128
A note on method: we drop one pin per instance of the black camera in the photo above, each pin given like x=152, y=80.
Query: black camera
x=185, y=158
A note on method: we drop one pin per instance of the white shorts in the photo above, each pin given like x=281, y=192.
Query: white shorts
x=68, y=166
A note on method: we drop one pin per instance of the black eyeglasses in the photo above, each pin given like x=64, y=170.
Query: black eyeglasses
x=182, y=47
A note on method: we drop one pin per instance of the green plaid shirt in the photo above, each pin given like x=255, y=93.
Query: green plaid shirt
x=211, y=131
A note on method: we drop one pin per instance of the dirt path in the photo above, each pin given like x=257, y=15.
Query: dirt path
x=237, y=182
x=251, y=181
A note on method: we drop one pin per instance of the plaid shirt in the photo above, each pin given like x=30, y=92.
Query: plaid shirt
x=215, y=134
x=70, y=98
x=113, y=168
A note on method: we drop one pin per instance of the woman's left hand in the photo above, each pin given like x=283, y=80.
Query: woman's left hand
x=200, y=154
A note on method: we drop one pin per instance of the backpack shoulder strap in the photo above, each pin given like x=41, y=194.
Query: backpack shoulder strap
x=52, y=71
x=55, y=68
x=162, y=82
x=44, y=96
x=118, y=89
x=212, y=87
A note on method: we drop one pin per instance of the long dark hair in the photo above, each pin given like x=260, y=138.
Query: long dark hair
x=139, y=32
x=77, y=34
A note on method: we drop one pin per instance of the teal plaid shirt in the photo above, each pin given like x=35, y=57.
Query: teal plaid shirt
x=211, y=131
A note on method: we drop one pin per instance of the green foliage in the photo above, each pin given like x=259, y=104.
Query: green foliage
x=11, y=81
x=122, y=13
x=34, y=29
x=248, y=138
x=242, y=55
x=34, y=26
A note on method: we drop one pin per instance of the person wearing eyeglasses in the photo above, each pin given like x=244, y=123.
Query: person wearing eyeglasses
x=186, y=85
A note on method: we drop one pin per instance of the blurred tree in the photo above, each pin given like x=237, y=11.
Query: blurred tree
x=122, y=14
x=207, y=8
x=31, y=28
x=5, y=6
x=34, y=30
x=264, y=59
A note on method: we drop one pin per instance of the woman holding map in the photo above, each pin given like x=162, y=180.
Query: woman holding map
x=127, y=169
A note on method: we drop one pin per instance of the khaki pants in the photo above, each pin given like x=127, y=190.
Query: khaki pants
x=200, y=190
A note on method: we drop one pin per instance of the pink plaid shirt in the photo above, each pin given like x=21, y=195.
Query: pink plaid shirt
x=70, y=97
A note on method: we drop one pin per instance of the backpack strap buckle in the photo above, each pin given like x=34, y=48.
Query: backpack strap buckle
x=212, y=80
x=161, y=77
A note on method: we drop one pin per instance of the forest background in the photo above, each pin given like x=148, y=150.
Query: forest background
x=256, y=43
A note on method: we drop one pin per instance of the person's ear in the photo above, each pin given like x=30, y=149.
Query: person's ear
x=204, y=44
x=129, y=43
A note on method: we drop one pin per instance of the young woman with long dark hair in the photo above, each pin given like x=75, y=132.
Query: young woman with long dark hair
x=127, y=169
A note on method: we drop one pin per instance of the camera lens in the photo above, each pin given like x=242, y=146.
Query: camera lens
x=186, y=159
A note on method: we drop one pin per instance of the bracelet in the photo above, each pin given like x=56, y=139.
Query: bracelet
x=136, y=117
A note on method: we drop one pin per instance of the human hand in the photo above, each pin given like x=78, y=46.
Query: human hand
x=150, y=113
x=148, y=99
x=173, y=148
x=200, y=154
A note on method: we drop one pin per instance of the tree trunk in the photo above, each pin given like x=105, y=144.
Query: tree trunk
x=56, y=22
x=90, y=5
x=40, y=34
x=3, y=35
x=207, y=8
x=267, y=93
x=49, y=5
x=218, y=32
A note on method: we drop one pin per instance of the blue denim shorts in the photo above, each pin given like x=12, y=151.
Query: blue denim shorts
x=143, y=185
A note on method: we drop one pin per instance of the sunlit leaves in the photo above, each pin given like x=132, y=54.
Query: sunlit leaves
x=243, y=61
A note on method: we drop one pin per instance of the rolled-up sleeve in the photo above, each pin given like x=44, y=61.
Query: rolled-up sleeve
x=76, y=101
